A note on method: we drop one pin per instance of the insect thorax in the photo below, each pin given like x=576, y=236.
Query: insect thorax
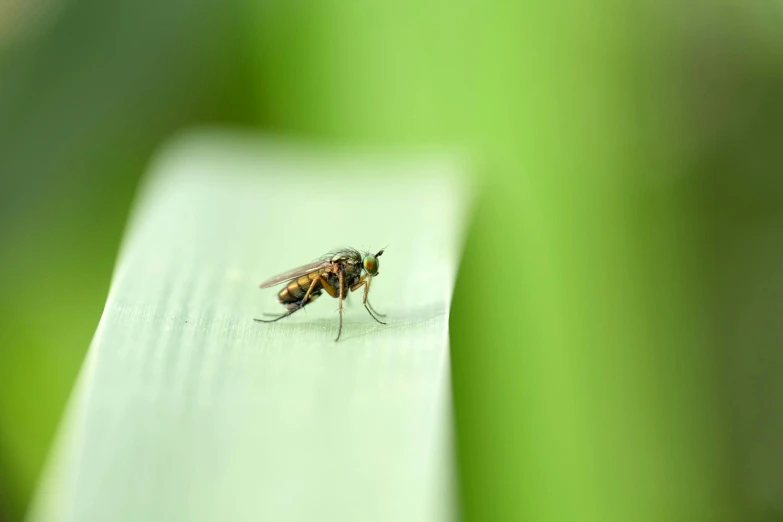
x=351, y=275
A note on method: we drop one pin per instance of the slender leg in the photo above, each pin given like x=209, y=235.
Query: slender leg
x=376, y=312
x=366, y=293
x=324, y=283
x=366, y=290
x=313, y=297
x=340, y=329
x=364, y=301
x=281, y=316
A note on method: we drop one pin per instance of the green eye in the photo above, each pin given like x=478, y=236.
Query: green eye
x=370, y=264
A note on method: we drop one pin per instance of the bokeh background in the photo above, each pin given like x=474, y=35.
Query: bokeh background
x=616, y=330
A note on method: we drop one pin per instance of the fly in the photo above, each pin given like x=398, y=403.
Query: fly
x=336, y=273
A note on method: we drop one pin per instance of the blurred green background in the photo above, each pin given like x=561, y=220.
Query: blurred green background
x=616, y=330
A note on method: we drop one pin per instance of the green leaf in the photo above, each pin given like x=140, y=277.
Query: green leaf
x=187, y=409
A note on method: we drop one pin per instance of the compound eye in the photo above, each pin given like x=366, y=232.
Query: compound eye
x=370, y=264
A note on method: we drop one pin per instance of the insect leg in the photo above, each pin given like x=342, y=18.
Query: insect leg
x=367, y=301
x=366, y=284
x=329, y=288
x=376, y=312
x=281, y=316
x=372, y=315
x=310, y=290
x=340, y=329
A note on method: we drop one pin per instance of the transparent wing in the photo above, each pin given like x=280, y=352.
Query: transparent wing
x=296, y=272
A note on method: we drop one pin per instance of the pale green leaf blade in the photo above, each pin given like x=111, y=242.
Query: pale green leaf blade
x=187, y=409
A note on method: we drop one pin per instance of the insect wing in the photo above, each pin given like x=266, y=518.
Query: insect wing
x=296, y=272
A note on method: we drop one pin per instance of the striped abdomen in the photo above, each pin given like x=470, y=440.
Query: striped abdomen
x=296, y=289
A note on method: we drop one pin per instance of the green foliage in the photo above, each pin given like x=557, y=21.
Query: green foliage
x=187, y=409
x=625, y=357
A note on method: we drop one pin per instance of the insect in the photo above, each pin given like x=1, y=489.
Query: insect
x=336, y=273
